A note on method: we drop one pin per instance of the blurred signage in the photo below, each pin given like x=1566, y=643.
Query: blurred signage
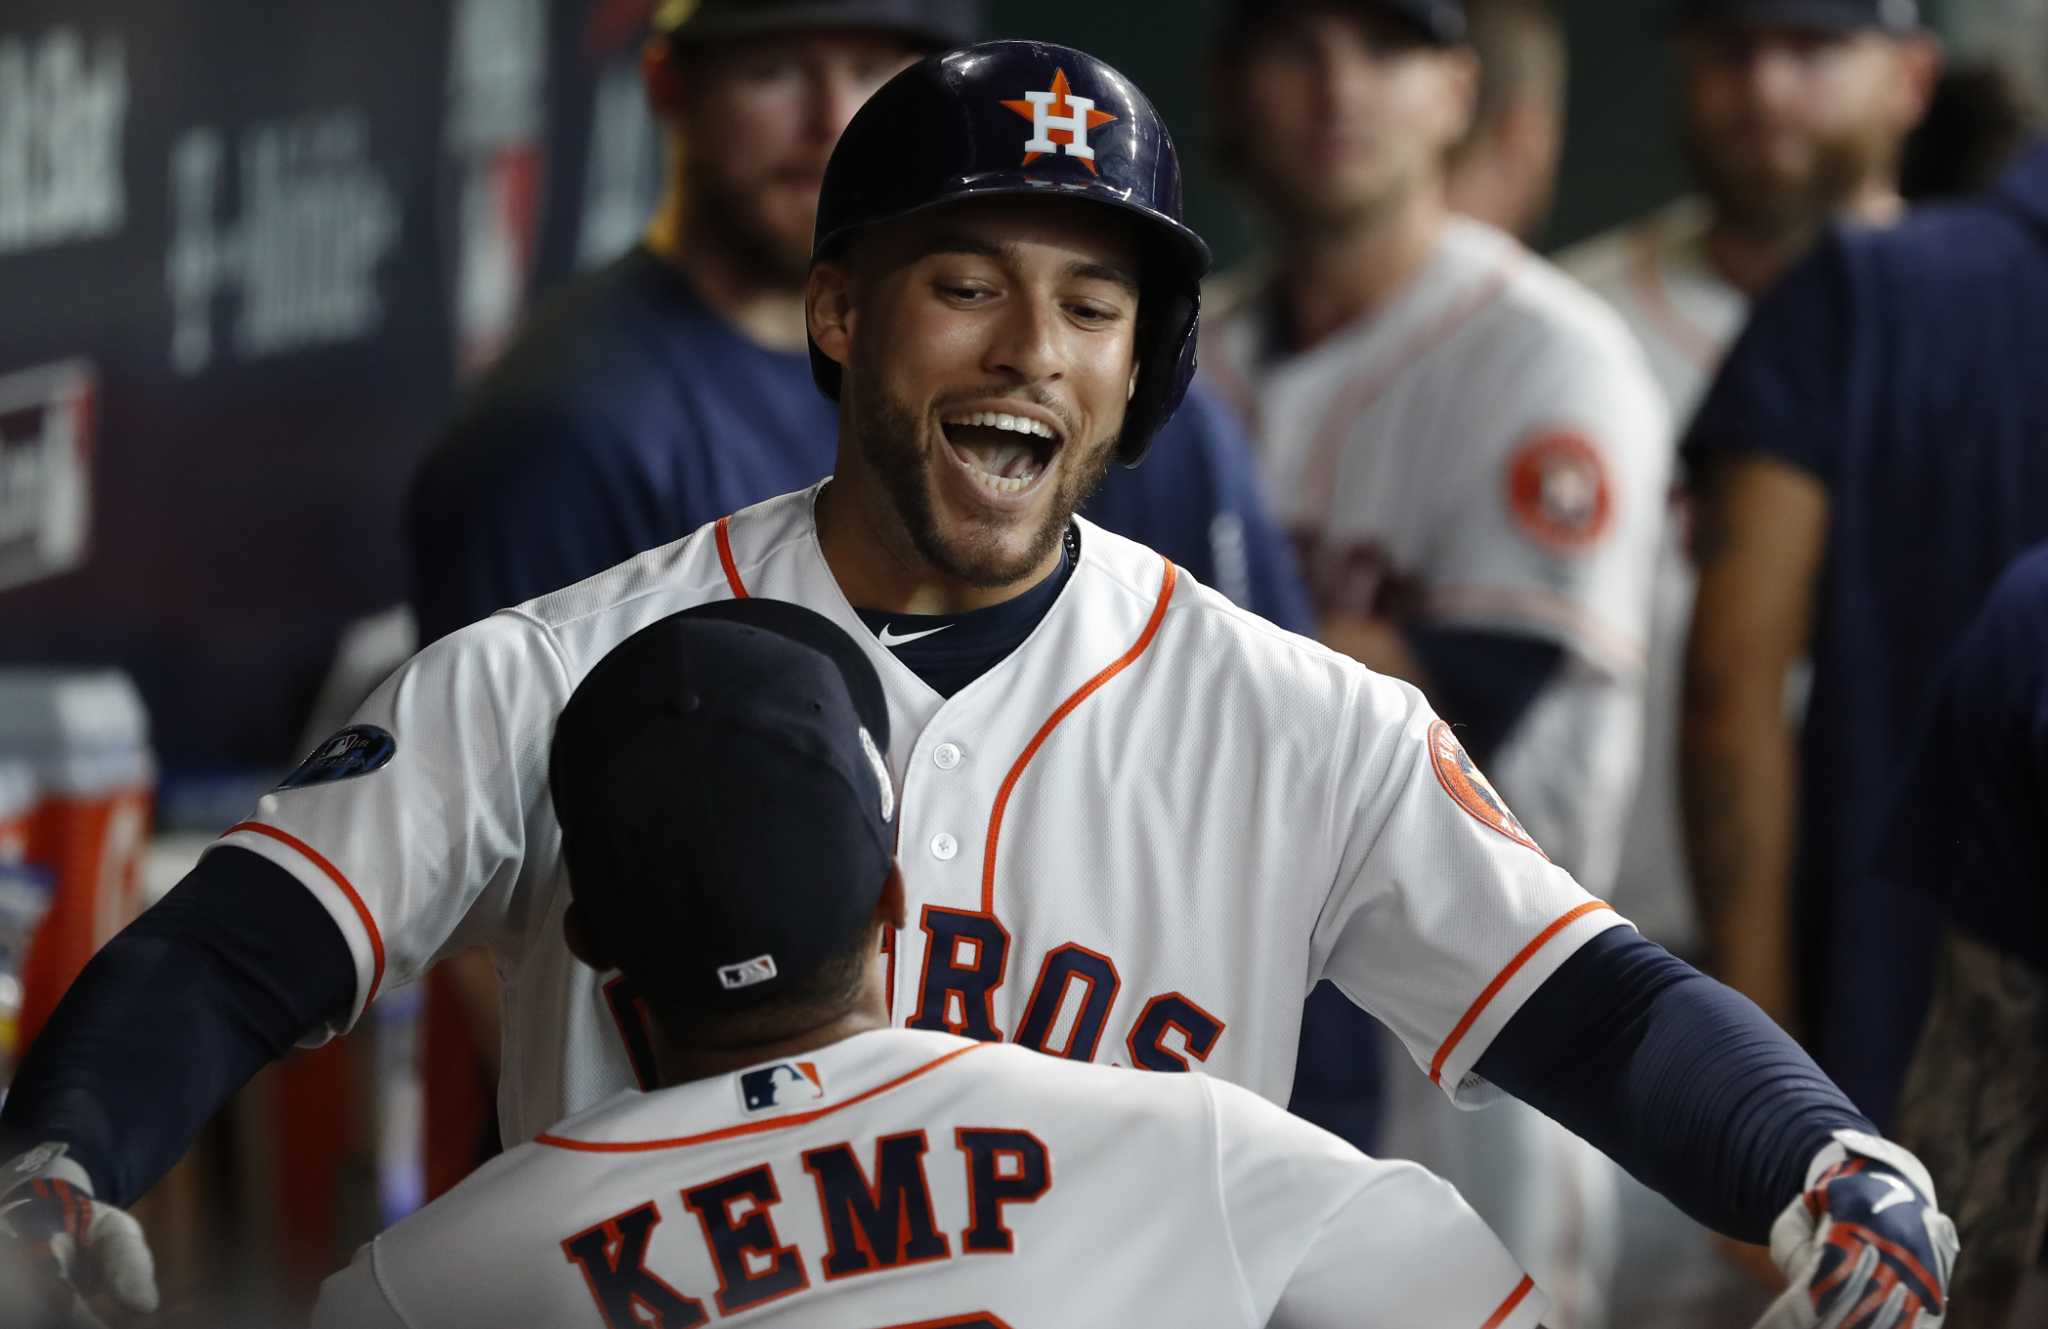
x=62, y=104
x=46, y=429
x=317, y=217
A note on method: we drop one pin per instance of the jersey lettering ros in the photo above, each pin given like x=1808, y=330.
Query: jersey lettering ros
x=1655, y=275
x=913, y=1179
x=1140, y=839
x=1486, y=452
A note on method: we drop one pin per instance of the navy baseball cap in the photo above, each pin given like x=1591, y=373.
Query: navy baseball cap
x=1887, y=15
x=728, y=821
x=1438, y=22
x=933, y=25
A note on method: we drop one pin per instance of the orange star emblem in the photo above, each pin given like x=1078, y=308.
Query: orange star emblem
x=1060, y=122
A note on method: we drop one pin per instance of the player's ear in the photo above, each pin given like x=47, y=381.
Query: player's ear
x=577, y=936
x=828, y=310
x=893, y=910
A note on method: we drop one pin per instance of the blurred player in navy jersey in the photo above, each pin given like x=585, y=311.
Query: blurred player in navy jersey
x=1868, y=462
x=671, y=386
x=1970, y=828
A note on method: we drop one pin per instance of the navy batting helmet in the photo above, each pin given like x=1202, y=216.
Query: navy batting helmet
x=1029, y=118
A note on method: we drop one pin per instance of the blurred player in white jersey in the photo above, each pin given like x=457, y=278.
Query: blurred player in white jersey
x=803, y=1161
x=1472, y=458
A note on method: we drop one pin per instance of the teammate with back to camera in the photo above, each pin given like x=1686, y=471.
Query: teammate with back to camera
x=1136, y=837
x=801, y=1161
x=1472, y=457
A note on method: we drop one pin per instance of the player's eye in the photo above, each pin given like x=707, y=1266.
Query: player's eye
x=1094, y=315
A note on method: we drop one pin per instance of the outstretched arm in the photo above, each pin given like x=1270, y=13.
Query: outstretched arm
x=174, y=1015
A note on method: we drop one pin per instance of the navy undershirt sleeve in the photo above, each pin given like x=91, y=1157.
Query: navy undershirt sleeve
x=1482, y=682
x=1679, y=1079
x=174, y=1015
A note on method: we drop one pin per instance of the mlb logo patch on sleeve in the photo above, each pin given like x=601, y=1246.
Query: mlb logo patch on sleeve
x=780, y=1085
x=356, y=750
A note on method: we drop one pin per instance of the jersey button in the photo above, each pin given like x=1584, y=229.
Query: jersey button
x=944, y=846
x=946, y=756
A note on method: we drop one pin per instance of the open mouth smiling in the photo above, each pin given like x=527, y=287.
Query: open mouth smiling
x=1005, y=451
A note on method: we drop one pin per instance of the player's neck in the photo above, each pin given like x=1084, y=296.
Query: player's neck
x=1330, y=279
x=675, y=1063
x=769, y=316
x=1751, y=259
x=875, y=562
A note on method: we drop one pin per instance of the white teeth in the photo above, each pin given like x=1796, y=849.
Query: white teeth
x=1016, y=424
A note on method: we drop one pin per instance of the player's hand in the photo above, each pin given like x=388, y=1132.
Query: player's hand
x=1864, y=1246
x=71, y=1247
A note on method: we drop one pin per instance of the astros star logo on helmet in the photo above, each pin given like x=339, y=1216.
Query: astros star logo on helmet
x=1067, y=132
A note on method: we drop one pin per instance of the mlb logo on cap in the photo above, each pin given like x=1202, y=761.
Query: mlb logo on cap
x=746, y=973
x=780, y=1085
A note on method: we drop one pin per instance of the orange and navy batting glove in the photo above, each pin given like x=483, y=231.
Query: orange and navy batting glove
x=1864, y=1245
x=67, y=1243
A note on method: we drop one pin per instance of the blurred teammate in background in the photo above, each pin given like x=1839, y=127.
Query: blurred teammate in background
x=1472, y=459
x=671, y=386
x=1504, y=173
x=1869, y=461
x=1970, y=828
x=1793, y=112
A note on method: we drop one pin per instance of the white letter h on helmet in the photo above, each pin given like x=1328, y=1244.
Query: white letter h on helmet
x=1043, y=122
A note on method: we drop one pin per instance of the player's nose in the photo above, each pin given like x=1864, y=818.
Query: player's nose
x=1024, y=342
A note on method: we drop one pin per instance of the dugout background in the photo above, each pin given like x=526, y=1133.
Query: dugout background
x=249, y=247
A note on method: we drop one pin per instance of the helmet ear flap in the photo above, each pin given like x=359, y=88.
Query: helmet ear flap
x=1165, y=367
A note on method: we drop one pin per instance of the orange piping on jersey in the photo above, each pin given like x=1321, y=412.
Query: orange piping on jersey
x=1536, y=606
x=1507, y=1308
x=1081, y=694
x=314, y=857
x=751, y=1127
x=1361, y=392
x=1500, y=980
x=1691, y=341
x=723, y=533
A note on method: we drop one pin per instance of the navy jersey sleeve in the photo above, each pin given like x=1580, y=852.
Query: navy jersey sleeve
x=173, y=1015
x=1196, y=499
x=1779, y=392
x=1970, y=822
x=521, y=498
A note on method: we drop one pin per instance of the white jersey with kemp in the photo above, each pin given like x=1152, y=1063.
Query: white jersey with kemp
x=915, y=1180
x=1656, y=276
x=1139, y=839
x=1486, y=451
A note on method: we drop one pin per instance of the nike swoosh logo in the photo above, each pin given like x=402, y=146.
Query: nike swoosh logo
x=892, y=641
x=1901, y=1194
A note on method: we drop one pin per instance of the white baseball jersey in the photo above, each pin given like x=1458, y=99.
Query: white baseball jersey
x=1655, y=274
x=1139, y=839
x=911, y=1179
x=1486, y=451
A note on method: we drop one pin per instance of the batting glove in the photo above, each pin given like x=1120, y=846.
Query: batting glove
x=1864, y=1245
x=72, y=1244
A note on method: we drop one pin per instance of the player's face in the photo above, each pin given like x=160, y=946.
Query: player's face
x=757, y=122
x=1784, y=124
x=1334, y=115
x=989, y=358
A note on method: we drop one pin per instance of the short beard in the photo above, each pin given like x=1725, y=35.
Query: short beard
x=1772, y=211
x=885, y=433
x=729, y=216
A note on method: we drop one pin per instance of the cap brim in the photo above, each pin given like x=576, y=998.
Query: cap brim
x=807, y=627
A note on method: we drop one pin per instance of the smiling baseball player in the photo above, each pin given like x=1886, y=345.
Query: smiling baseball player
x=804, y=1161
x=1135, y=831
